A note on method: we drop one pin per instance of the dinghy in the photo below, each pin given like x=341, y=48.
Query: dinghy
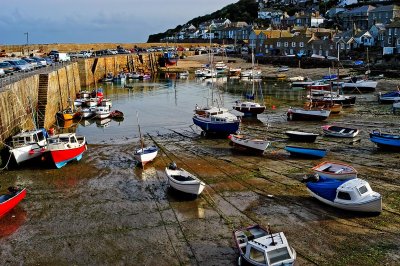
x=335, y=170
x=256, y=145
x=341, y=132
x=259, y=246
x=306, y=152
x=353, y=195
x=182, y=180
x=385, y=140
x=144, y=154
x=303, y=114
x=301, y=136
x=11, y=199
x=389, y=97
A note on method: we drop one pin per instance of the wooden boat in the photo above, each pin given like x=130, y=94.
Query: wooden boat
x=306, y=152
x=11, y=199
x=301, y=136
x=28, y=145
x=144, y=154
x=182, y=180
x=303, y=114
x=335, y=170
x=216, y=121
x=255, y=145
x=65, y=147
x=68, y=114
x=259, y=246
x=389, y=97
x=353, y=195
x=385, y=140
x=341, y=132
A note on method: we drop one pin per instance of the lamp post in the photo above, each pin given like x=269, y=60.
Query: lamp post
x=27, y=41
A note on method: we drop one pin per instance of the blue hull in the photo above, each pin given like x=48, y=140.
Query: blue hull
x=217, y=127
x=385, y=140
x=306, y=152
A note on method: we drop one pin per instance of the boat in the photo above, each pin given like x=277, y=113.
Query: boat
x=27, y=145
x=352, y=195
x=102, y=112
x=283, y=69
x=182, y=180
x=332, y=97
x=334, y=108
x=296, y=79
x=396, y=107
x=235, y=71
x=65, y=147
x=259, y=246
x=220, y=67
x=169, y=59
x=253, y=144
x=116, y=114
x=108, y=78
x=68, y=114
x=106, y=103
x=216, y=120
x=341, y=132
x=303, y=114
x=359, y=85
x=301, y=84
x=319, y=85
x=88, y=112
x=335, y=170
x=301, y=136
x=385, y=140
x=144, y=154
x=11, y=199
x=306, y=152
x=389, y=97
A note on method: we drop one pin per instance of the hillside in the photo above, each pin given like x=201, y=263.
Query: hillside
x=243, y=10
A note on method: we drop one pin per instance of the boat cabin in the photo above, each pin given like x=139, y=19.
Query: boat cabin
x=28, y=137
x=354, y=190
x=59, y=141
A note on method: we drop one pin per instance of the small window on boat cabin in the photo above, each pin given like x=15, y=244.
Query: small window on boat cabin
x=35, y=138
x=363, y=189
x=277, y=255
x=257, y=255
x=243, y=104
x=343, y=195
x=40, y=135
x=72, y=139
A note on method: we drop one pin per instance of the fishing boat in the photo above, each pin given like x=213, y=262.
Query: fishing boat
x=102, y=112
x=65, y=147
x=335, y=170
x=301, y=136
x=68, y=114
x=144, y=154
x=352, y=195
x=389, y=97
x=340, y=132
x=106, y=103
x=182, y=180
x=27, y=145
x=216, y=120
x=385, y=140
x=88, y=112
x=306, y=152
x=256, y=145
x=11, y=199
x=261, y=247
x=169, y=59
x=303, y=114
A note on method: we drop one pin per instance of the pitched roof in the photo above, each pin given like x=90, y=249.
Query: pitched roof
x=361, y=9
x=386, y=8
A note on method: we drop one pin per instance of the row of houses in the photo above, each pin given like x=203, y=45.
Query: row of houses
x=304, y=34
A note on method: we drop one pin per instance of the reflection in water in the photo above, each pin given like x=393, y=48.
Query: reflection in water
x=148, y=173
x=103, y=122
x=191, y=206
x=13, y=220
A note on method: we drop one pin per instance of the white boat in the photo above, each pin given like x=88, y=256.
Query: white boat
x=340, y=132
x=200, y=72
x=261, y=247
x=296, y=78
x=360, y=85
x=92, y=102
x=256, y=145
x=144, y=154
x=335, y=170
x=102, y=112
x=79, y=102
x=221, y=67
x=106, y=103
x=210, y=73
x=283, y=69
x=88, y=112
x=28, y=145
x=183, y=75
x=182, y=180
x=352, y=195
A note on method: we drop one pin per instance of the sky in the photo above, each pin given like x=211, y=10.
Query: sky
x=96, y=21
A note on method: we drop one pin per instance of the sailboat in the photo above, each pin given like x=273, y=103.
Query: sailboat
x=144, y=154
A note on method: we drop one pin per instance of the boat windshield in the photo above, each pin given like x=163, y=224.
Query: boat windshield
x=257, y=255
x=277, y=255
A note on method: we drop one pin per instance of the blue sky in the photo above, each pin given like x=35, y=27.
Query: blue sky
x=89, y=21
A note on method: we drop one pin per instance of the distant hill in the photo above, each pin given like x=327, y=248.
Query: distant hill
x=244, y=10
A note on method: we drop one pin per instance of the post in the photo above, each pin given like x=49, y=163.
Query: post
x=27, y=41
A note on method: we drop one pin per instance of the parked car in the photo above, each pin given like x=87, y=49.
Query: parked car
x=62, y=57
x=31, y=61
x=7, y=67
x=20, y=65
x=40, y=61
x=52, y=53
x=49, y=61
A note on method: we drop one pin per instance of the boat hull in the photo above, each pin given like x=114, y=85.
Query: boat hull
x=372, y=206
x=147, y=156
x=26, y=153
x=254, y=145
x=339, y=132
x=306, y=152
x=194, y=186
x=219, y=128
x=302, y=136
x=61, y=157
x=339, y=171
x=386, y=141
x=311, y=115
x=9, y=204
x=250, y=111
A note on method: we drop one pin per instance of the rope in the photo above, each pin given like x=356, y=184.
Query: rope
x=9, y=158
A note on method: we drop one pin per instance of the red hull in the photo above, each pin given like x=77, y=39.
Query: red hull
x=60, y=156
x=12, y=202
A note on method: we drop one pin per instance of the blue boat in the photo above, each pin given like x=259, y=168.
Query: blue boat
x=389, y=97
x=306, y=152
x=216, y=121
x=385, y=140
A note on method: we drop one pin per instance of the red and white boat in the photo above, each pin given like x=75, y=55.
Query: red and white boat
x=11, y=199
x=66, y=147
x=335, y=170
x=319, y=86
x=256, y=145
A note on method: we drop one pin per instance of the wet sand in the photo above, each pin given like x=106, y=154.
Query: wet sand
x=104, y=211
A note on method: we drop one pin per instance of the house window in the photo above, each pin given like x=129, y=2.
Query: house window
x=301, y=44
x=342, y=46
x=286, y=44
x=390, y=32
x=390, y=40
x=293, y=44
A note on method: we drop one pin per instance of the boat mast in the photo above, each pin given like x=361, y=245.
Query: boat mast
x=140, y=133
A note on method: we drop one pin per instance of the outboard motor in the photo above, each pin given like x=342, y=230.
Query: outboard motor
x=172, y=166
x=310, y=178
